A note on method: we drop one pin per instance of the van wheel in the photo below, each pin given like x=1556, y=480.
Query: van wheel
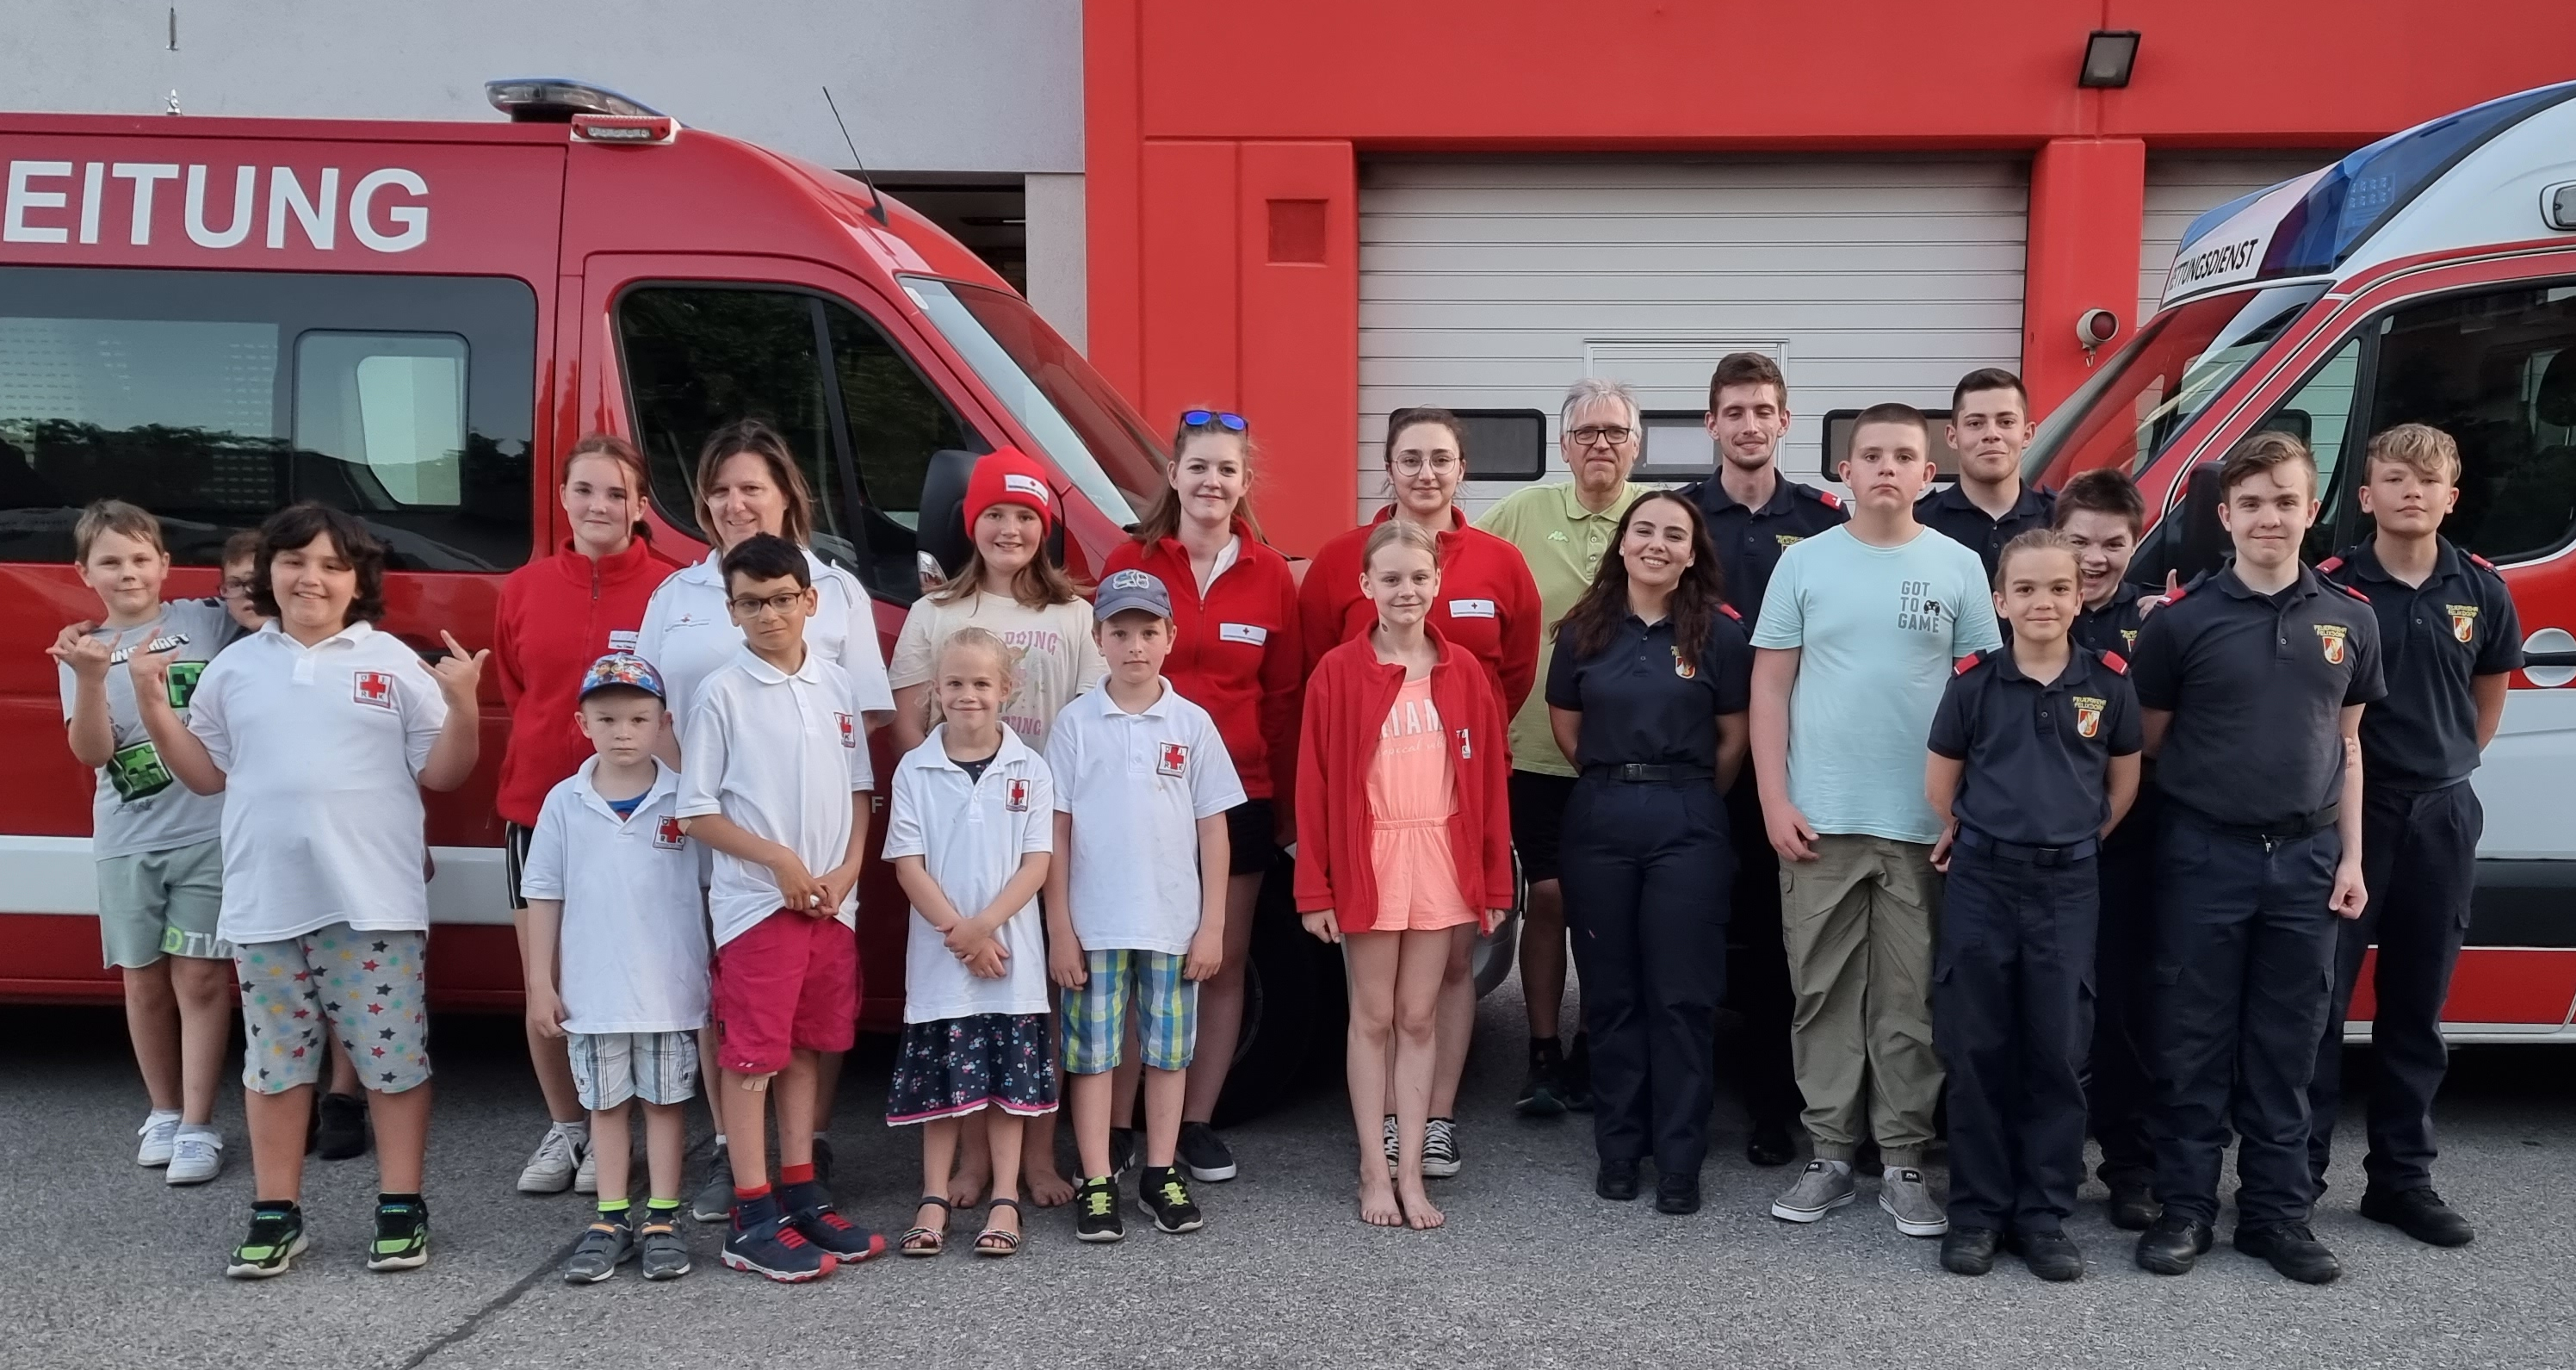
x=1293, y=1008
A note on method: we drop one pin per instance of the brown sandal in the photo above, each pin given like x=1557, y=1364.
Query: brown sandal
x=927, y=1241
x=993, y=1241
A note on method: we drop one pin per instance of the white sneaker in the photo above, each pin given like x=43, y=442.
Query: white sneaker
x=195, y=1157
x=159, y=1131
x=585, y=1180
x=550, y=1170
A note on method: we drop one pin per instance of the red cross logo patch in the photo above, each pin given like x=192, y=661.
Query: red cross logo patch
x=849, y=731
x=1174, y=759
x=372, y=687
x=667, y=836
x=1015, y=796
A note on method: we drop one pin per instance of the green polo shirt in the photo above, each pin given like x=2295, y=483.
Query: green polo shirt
x=1563, y=543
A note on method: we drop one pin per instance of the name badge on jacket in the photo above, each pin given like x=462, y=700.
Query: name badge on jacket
x=1471, y=608
x=1250, y=634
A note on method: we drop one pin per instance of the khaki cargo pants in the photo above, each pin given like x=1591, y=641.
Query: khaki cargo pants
x=1858, y=922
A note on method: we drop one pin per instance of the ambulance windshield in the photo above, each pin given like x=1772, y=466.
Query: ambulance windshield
x=1084, y=426
x=2151, y=391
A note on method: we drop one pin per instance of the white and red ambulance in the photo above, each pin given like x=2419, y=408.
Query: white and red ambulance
x=2427, y=278
x=412, y=321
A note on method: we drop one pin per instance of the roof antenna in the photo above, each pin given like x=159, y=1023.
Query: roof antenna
x=876, y=201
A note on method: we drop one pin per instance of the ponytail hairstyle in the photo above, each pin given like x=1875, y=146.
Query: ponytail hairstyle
x=629, y=460
x=1164, y=519
x=1697, y=598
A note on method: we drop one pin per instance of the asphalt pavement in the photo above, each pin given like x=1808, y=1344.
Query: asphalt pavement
x=102, y=1264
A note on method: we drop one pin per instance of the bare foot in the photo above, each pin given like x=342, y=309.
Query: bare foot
x=966, y=1187
x=1377, y=1202
x=1419, y=1213
x=1046, y=1188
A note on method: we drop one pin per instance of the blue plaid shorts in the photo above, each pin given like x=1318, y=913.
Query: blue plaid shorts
x=1095, y=1016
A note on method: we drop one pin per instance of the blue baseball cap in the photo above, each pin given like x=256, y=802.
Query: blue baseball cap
x=1127, y=590
x=623, y=671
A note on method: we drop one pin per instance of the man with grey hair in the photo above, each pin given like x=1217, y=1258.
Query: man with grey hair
x=1562, y=529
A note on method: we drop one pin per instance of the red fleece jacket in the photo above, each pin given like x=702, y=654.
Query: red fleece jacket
x=1488, y=602
x=1347, y=700
x=555, y=618
x=1235, y=653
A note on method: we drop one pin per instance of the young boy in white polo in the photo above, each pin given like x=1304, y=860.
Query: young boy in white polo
x=1136, y=906
x=610, y=875
x=777, y=784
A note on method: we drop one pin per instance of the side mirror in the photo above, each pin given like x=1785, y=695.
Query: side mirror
x=2204, y=545
x=941, y=532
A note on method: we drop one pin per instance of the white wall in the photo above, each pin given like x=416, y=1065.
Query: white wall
x=935, y=85
x=1057, y=265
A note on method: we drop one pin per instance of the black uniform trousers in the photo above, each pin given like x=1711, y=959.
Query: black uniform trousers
x=1646, y=869
x=1757, y=967
x=2012, y=1009
x=2244, y=967
x=2419, y=854
x=2119, y=1088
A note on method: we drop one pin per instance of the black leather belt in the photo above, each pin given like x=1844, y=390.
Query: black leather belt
x=1633, y=773
x=2036, y=856
x=2270, y=830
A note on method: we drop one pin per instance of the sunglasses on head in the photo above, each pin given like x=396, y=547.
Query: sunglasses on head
x=1212, y=418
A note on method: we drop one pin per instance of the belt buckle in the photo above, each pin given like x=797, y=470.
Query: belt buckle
x=2048, y=856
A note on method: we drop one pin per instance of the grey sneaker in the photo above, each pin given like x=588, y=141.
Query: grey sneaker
x=665, y=1251
x=714, y=1203
x=1908, y=1199
x=585, y=1177
x=551, y=1166
x=604, y=1247
x=1391, y=1141
x=1440, y=1148
x=1821, y=1188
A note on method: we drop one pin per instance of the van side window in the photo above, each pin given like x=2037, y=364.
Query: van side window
x=2497, y=371
x=700, y=356
x=215, y=398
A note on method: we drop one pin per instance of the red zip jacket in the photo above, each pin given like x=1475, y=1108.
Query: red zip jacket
x=1347, y=700
x=1235, y=653
x=557, y=616
x=1488, y=602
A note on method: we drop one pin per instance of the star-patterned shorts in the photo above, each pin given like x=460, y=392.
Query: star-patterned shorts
x=364, y=987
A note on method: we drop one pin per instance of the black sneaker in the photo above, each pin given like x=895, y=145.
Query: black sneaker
x=276, y=1239
x=1095, y=1211
x=809, y=1209
x=402, y=1236
x=1543, y=1093
x=714, y=1201
x=605, y=1245
x=1969, y=1250
x=823, y=1162
x=1163, y=1194
x=1769, y=1144
x=2419, y=1213
x=2174, y=1245
x=1204, y=1154
x=2052, y=1256
x=2292, y=1249
x=340, y=1127
x=1122, y=1149
x=763, y=1242
x=1576, y=1079
x=665, y=1251
x=2133, y=1205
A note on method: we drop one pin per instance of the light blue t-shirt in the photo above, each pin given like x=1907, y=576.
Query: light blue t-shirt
x=1878, y=630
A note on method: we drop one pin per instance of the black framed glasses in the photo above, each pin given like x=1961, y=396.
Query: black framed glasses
x=750, y=606
x=1212, y=418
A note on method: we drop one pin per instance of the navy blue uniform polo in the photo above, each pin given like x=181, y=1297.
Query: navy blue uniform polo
x=2257, y=684
x=1949, y=512
x=2036, y=753
x=2436, y=638
x=2114, y=626
x=1749, y=540
x=1642, y=702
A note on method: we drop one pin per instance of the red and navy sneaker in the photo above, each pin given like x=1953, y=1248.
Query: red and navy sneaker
x=764, y=1242
x=810, y=1212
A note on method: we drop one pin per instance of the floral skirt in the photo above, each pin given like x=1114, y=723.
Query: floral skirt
x=957, y=1066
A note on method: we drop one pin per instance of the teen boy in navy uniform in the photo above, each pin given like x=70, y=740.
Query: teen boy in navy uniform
x=1987, y=506
x=2101, y=513
x=2448, y=627
x=2034, y=758
x=1754, y=513
x=2253, y=685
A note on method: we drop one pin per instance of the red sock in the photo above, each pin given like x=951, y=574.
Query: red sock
x=744, y=1196
x=796, y=1174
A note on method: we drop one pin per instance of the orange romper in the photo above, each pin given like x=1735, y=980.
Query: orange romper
x=1412, y=791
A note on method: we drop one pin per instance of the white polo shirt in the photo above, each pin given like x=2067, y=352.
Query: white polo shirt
x=687, y=633
x=321, y=749
x=780, y=755
x=970, y=835
x=1137, y=785
x=633, y=950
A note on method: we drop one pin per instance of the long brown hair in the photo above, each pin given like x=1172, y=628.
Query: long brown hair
x=1164, y=519
x=619, y=450
x=766, y=443
x=1696, y=598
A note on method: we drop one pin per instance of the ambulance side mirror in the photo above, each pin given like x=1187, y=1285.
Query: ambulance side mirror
x=2204, y=545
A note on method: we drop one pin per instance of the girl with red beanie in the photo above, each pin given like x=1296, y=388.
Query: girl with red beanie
x=1008, y=588
x=557, y=616
x=1404, y=836
x=1236, y=654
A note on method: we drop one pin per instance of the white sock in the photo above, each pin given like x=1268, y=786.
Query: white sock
x=1840, y=1167
x=161, y=1114
x=720, y=1141
x=1896, y=1171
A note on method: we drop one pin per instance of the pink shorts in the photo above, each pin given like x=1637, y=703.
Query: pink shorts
x=790, y=983
x=1417, y=879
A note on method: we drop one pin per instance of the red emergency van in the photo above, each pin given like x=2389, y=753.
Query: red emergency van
x=216, y=317
x=2428, y=278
